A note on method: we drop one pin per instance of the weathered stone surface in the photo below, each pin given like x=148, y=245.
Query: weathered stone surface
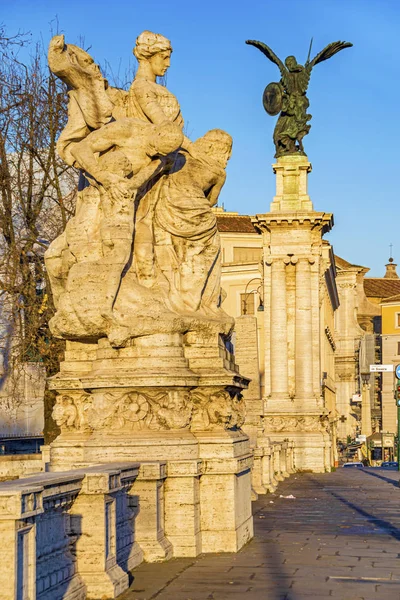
x=136, y=281
x=13, y=466
x=141, y=255
x=71, y=535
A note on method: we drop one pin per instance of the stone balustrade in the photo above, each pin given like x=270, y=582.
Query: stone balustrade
x=38, y=542
x=272, y=464
x=78, y=534
x=70, y=535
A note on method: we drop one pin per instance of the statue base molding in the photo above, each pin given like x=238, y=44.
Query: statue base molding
x=167, y=398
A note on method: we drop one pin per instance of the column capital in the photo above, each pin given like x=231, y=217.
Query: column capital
x=278, y=262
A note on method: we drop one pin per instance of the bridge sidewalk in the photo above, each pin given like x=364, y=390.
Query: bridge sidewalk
x=338, y=538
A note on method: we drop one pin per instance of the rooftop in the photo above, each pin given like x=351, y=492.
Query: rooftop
x=231, y=222
x=343, y=264
x=393, y=299
x=379, y=287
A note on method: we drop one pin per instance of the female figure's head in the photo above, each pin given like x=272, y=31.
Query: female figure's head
x=153, y=52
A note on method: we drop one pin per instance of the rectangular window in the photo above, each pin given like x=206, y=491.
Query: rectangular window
x=398, y=320
x=398, y=348
x=247, y=304
x=247, y=255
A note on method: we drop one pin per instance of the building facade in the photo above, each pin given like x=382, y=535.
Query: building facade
x=390, y=356
x=360, y=322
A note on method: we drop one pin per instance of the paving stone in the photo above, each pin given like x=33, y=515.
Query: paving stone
x=344, y=545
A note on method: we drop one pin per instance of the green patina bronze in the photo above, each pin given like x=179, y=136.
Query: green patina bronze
x=288, y=97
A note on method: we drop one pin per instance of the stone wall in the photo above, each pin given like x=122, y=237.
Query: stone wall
x=70, y=536
x=246, y=354
x=13, y=466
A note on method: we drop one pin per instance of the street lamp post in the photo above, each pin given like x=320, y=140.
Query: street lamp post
x=260, y=307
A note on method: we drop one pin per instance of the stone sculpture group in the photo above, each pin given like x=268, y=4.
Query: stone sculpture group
x=136, y=275
x=142, y=254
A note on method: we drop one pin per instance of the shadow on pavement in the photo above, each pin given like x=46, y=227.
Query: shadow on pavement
x=394, y=482
x=279, y=577
x=386, y=527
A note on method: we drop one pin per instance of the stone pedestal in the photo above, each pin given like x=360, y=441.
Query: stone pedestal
x=147, y=494
x=294, y=290
x=172, y=399
x=227, y=464
x=182, y=507
x=291, y=184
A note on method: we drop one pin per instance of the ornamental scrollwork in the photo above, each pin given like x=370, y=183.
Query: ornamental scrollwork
x=280, y=424
x=130, y=410
x=143, y=409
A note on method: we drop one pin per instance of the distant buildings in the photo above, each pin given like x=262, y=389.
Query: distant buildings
x=361, y=329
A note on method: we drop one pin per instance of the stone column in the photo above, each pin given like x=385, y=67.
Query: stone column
x=304, y=372
x=284, y=459
x=277, y=461
x=318, y=322
x=291, y=331
x=279, y=349
x=267, y=324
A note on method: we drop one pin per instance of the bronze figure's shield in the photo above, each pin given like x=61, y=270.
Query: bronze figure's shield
x=272, y=98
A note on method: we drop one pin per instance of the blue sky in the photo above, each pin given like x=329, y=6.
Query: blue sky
x=354, y=140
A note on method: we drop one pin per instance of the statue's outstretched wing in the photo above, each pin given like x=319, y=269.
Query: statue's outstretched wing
x=329, y=51
x=266, y=50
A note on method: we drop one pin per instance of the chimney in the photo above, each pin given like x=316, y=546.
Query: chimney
x=391, y=270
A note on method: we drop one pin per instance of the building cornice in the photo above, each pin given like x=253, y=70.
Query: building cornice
x=310, y=219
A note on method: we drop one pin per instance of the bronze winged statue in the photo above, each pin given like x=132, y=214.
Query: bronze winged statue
x=288, y=97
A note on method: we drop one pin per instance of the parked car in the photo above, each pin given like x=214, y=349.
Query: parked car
x=390, y=464
x=356, y=465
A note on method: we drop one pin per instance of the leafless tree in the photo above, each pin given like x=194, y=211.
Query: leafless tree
x=37, y=199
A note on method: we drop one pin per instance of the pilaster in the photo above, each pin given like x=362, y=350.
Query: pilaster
x=303, y=331
x=278, y=328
